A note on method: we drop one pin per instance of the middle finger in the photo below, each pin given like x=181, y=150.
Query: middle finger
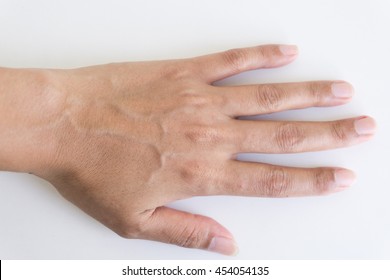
x=269, y=98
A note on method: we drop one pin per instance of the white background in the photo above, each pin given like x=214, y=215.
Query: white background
x=337, y=39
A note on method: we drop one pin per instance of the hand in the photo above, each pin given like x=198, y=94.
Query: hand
x=131, y=137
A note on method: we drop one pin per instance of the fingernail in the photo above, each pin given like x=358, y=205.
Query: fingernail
x=222, y=245
x=365, y=126
x=342, y=90
x=344, y=178
x=289, y=50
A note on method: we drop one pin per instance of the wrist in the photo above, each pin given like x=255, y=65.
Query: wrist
x=31, y=102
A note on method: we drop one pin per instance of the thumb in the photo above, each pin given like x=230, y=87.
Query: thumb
x=188, y=230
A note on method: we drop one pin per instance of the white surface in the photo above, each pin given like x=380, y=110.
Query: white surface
x=338, y=40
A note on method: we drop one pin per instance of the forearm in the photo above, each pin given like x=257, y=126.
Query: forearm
x=29, y=104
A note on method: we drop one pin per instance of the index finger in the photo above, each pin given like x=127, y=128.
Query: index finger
x=214, y=67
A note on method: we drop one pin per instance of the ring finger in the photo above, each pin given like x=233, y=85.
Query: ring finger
x=265, y=180
x=294, y=137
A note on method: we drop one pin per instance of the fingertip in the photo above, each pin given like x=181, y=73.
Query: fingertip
x=223, y=245
x=342, y=90
x=289, y=50
x=365, y=126
x=344, y=178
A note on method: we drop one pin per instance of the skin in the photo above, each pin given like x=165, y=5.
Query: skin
x=120, y=141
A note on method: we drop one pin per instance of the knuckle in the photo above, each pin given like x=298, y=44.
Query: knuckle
x=236, y=58
x=338, y=132
x=323, y=179
x=268, y=54
x=190, y=172
x=190, y=239
x=278, y=183
x=316, y=92
x=196, y=176
x=289, y=137
x=269, y=97
x=189, y=236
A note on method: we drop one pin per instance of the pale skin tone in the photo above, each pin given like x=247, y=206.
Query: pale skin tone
x=120, y=141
